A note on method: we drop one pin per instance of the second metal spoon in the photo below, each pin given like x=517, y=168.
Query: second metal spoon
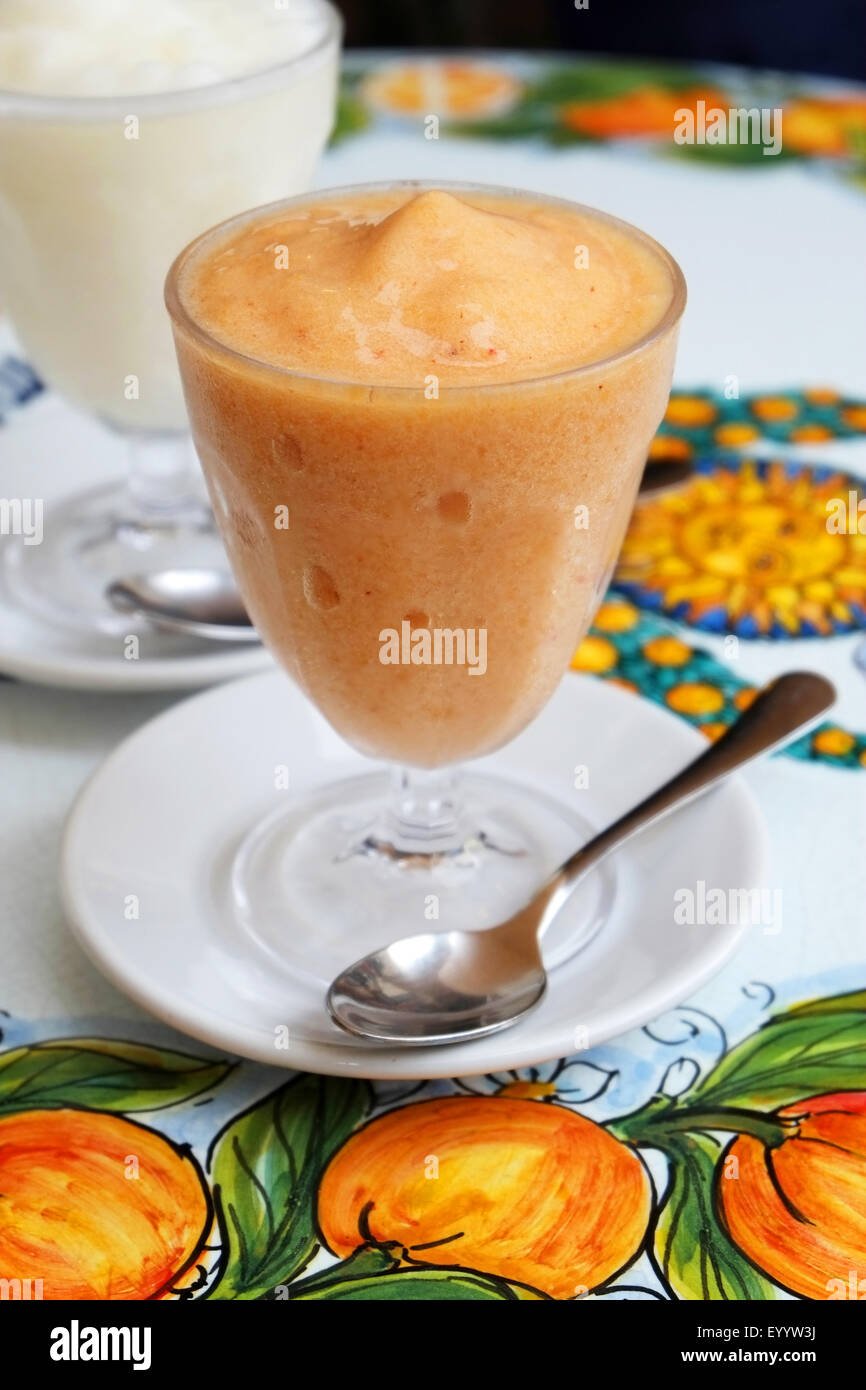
x=199, y=602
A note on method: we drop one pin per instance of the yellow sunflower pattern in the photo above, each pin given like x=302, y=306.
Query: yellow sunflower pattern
x=745, y=548
x=762, y=548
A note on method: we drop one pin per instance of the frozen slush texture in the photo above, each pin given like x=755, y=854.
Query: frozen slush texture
x=497, y=506
x=467, y=288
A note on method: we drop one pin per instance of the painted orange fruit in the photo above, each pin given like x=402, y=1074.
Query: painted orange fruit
x=824, y=126
x=799, y=1210
x=649, y=111
x=95, y=1206
x=451, y=89
x=527, y=1191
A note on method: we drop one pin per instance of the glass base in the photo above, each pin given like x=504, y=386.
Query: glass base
x=322, y=881
x=96, y=537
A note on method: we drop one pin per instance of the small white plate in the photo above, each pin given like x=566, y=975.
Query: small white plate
x=52, y=450
x=34, y=650
x=154, y=831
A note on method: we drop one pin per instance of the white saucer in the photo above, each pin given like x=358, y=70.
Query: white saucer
x=34, y=650
x=163, y=815
x=51, y=449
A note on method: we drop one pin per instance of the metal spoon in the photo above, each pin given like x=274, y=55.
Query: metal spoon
x=200, y=602
x=449, y=986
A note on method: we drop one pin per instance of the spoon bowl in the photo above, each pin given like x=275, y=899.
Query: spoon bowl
x=439, y=987
x=199, y=602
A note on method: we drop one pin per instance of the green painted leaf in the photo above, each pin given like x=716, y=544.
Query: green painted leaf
x=731, y=152
x=834, y=1004
x=606, y=81
x=696, y=1257
x=418, y=1286
x=102, y=1074
x=791, y=1057
x=369, y=1263
x=351, y=118
x=266, y=1166
x=522, y=123
x=366, y=1261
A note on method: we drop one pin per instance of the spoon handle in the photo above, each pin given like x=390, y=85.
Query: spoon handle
x=781, y=710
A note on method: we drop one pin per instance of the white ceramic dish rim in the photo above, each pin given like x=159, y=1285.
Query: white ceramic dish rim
x=95, y=673
x=508, y=1049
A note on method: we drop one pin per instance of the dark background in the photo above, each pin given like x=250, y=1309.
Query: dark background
x=817, y=36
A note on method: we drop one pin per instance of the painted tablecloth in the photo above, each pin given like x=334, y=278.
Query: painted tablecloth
x=719, y=1152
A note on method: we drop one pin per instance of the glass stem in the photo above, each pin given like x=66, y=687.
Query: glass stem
x=424, y=809
x=164, y=475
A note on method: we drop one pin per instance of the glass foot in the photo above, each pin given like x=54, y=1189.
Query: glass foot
x=327, y=878
x=96, y=537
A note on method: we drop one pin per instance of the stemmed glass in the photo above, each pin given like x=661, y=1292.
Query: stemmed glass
x=408, y=521
x=97, y=195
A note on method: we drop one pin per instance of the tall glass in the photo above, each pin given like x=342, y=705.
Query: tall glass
x=492, y=514
x=97, y=196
